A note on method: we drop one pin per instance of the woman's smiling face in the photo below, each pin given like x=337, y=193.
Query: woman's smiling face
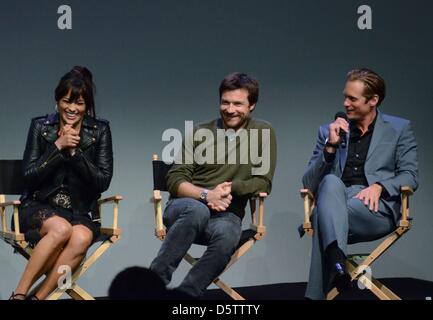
x=71, y=112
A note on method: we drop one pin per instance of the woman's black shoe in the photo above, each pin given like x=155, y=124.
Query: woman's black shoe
x=17, y=296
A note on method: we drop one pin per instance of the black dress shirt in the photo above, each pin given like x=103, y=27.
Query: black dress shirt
x=358, y=145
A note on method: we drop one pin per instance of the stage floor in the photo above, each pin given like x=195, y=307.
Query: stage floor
x=406, y=288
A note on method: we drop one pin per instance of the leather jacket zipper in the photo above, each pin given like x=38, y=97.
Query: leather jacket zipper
x=51, y=157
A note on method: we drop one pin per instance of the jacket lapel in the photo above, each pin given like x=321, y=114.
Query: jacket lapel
x=86, y=139
x=379, y=129
x=87, y=133
x=50, y=128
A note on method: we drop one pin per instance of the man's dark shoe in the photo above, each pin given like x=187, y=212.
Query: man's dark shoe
x=340, y=278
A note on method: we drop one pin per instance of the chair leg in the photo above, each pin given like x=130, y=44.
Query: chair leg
x=355, y=274
x=240, y=252
x=75, y=292
x=374, y=285
x=356, y=271
x=23, y=249
x=235, y=257
x=391, y=295
x=81, y=270
x=55, y=295
x=78, y=293
x=377, y=252
x=190, y=259
x=227, y=289
x=379, y=289
x=332, y=294
x=222, y=285
x=93, y=258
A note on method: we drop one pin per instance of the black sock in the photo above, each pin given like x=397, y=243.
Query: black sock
x=334, y=254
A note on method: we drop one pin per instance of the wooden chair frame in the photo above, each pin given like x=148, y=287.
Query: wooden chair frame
x=358, y=263
x=257, y=225
x=17, y=241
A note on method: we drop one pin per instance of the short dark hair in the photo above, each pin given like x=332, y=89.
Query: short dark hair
x=239, y=80
x=373, y=83
x=80, y=81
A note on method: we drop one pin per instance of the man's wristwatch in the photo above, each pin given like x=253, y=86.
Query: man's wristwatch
x=203, y=196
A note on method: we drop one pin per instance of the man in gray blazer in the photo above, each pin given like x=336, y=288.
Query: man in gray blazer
x=357, y=182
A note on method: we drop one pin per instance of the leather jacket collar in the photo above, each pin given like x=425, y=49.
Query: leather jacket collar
x=88, y=133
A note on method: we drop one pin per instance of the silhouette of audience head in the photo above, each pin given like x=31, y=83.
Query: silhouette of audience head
x=139, y=283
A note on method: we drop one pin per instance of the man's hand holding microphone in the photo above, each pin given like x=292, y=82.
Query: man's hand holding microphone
x=337, y=133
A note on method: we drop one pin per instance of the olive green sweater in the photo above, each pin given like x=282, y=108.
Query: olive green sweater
x=245, y=183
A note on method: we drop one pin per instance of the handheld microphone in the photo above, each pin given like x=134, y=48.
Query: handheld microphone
x=342, y=133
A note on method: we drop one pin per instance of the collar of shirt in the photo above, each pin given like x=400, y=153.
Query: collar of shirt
x=355, y=130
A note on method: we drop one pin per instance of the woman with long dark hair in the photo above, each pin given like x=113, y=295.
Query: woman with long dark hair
x=68, y=163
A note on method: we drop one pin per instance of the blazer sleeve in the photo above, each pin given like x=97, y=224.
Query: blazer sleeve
x=406, y=165
x=317, y=166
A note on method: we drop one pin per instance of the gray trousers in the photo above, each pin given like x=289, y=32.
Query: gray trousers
x=340, y=217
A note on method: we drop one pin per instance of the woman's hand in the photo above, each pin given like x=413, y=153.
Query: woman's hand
x=69, y=138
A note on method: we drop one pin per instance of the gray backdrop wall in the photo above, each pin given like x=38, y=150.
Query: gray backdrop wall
x=159, y=63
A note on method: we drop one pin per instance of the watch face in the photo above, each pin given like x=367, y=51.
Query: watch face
x=203, y=195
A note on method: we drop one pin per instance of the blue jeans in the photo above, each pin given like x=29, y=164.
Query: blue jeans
x=189, y=221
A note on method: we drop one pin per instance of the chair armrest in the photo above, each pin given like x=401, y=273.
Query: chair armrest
x=263, y=195
x=309, y=200
x=307, y=192
x=406, y=192
x=115, y=200
x=259, y=227
x=12, y=236
x=10, y=203
x=3, y=205
x=111, y=231
x=110, y=199
x=160, y=231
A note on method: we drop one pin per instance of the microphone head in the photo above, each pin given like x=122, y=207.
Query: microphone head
x=341, y=114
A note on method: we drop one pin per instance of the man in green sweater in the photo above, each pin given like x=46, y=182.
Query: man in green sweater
x=208, y=195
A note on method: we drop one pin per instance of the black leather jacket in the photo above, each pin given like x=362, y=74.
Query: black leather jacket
x=88, y=172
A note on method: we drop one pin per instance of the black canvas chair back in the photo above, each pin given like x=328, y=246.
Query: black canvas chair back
x=11, y=177
x=160, y=170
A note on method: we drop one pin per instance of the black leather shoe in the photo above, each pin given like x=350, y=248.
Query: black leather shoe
x=340, y=278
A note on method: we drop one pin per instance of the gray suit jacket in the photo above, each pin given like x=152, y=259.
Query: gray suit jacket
x=391, y=160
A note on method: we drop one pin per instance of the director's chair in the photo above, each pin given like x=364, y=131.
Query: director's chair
x=11, y=183
x=248, y=237
x=358, y=264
